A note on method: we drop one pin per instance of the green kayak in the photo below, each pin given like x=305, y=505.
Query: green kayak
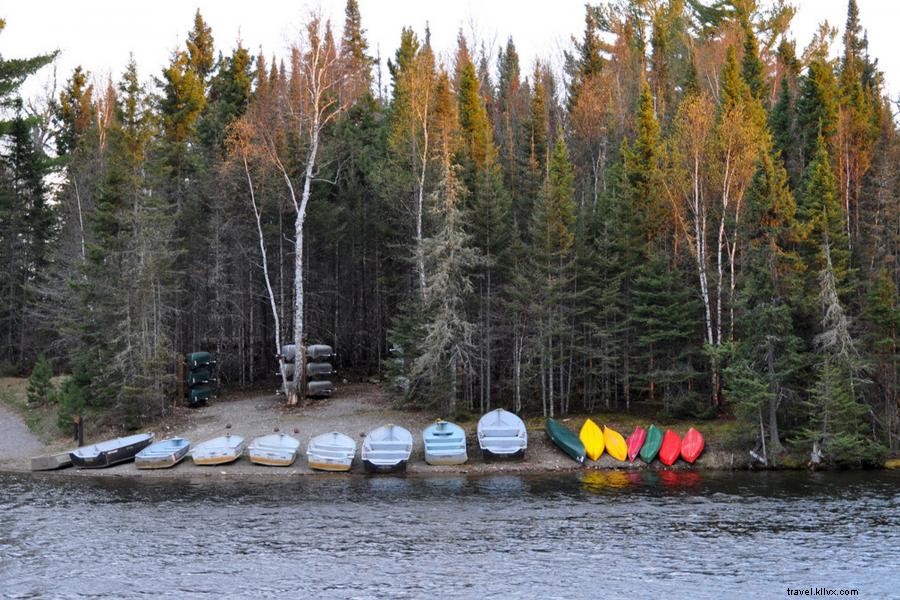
x=567, y=441
x=652, y=444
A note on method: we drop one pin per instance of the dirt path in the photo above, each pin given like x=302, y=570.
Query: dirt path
x=17, y=443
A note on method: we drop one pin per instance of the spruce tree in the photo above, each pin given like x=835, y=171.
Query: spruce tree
x=553, y=235
x=768, y=360
x=821, y=217
x=39, y=386
x=816, y=109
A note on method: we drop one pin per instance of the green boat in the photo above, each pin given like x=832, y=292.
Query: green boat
x=652, y=444
x=567, y=441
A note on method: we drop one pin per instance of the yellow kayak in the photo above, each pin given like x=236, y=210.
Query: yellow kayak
x=615, y=444
x=592, y=438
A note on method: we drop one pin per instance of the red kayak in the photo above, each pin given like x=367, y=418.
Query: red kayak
x=670, y=449
x=635, y=442
x=692, y=445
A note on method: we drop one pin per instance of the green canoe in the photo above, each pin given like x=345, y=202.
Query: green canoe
x=567, y=441
x=651, y=445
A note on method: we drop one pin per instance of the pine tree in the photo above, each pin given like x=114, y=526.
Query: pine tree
x=201, y=47
x=753, y=70
x=839, y=426
x=664, y=317
x=783, y=125
x=553, y=236
x=354, y=49
x=446, y=348
x=228, y=98
x=822, y=221
x=816, y=109
x=478, y=150
x=768, y=360
x=590, y=60
x=39, y=386
x=75, y=112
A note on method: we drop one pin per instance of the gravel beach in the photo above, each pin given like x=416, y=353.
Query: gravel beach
x=355, y=409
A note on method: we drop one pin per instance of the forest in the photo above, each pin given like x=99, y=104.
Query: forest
x=686, y=215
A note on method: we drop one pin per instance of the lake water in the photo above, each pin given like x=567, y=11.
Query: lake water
x=585, y=535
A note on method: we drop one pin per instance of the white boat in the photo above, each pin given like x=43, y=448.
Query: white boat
x=274, y=450
x=501, y=434
x=445, y=443
x=162, y=455
x=218, y=451
x=332, y=451
x=386, y=449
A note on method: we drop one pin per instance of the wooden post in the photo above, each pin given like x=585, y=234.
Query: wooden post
x=78, y=422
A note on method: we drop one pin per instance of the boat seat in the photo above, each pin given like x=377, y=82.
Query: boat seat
x=493, y=432
x=389, y=446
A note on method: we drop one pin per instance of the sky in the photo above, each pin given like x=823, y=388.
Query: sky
x=100, y=34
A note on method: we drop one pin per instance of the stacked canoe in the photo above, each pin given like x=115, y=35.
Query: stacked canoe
x=648, y=443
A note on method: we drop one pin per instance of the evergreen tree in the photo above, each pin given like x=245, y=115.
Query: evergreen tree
x=783, y=125
x=354, y=49
x=768, y=360
x=821, y=219
x=589, y=61
x=753, y=70
x=75, y=112
x=816, y=109
x=839, y=426
x=445, y=352
x=553, y=235
x=664, y=318
x=201, y=47
x=39, y=386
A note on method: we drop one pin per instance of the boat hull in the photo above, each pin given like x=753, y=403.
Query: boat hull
x=445, y=444
x=331, y=452
x=446, y=459
x=565, y=440
x=502, y=436
x=615, y=444
x=493, y=455
x=278, y=450
x=218, y=451
x=670, y=449
x=113, y=456
x=635, y=441
x=51, y=462
x=652, y=444
x=692, y=445
x=386, y=449
x=372, y=467
x=163, y=455
x=325, y=465
x=592, y=437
